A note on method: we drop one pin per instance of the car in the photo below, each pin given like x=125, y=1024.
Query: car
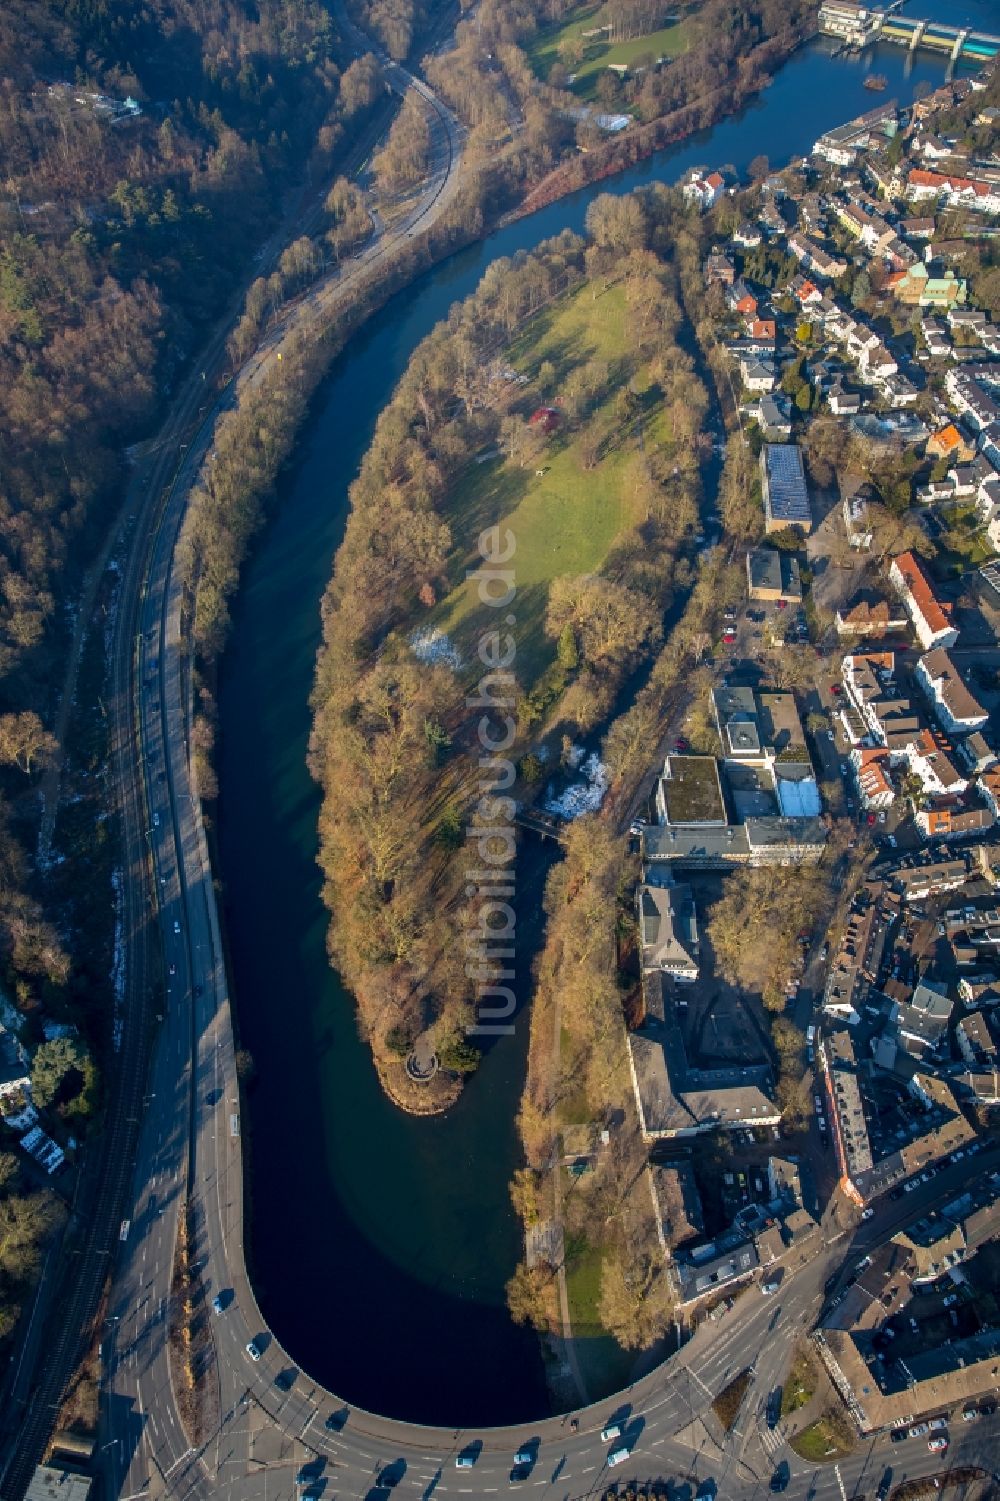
x=951, y=1300
x=918, y=1430
x=253, y=1349
x=782, y=604
x=885, y=1484
x=773, y=1412
x=173, y=969
x=867, y=1214
x=844, y=768
x=897, y=1435
x=817, y=1104
x=124, y=1229
x=882, y=816
x=769, y=1287
x=892, y=840
x=926, y=1176
x=177, y=927
x=156, y=820
x=910, y=1185
x=836, y=688
x=938, y=1444
x=218, y=1303
x=466, y=1459
x=618, y=1456
x=936, y=1425
x=527, y=1454
x=830, y=735
x=970, y=1414
x=821, y=1122
x=612, y=1430
x=781, y=1476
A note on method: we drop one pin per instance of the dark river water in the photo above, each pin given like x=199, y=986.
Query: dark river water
x=379, y=1243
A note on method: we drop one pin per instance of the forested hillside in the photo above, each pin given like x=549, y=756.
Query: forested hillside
x=145, y=146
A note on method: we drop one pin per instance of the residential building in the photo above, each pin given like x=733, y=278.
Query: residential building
x=15, y=1074
x=786, y=497
x=719, y=269
x=703, y=189
x=773, y=415
x=855, y=511
x=921, y=1022
x=975, y=1040
x=756, y=374
x=872, y=618
x=668, y=930
x=953, y=823
x=949, y=443
x=813, y=256
x=773, y=575
x=958, y=710
x=931, y=618
x=871, y=774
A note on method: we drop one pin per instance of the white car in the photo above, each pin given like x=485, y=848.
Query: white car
x=177, y=927
x=613, y=1430
x=867, y=1214
x=618, y=1456
x=830, y=735
x=253, y=1350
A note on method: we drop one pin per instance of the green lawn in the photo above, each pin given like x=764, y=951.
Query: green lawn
x=564, y=521
x=668, y=41
x=820, y=1443
x=604, y=1364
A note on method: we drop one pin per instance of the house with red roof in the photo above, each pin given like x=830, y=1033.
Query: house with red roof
x=931, y=618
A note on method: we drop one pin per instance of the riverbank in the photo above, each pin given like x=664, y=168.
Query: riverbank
x=412, y=1216
x=640, y=142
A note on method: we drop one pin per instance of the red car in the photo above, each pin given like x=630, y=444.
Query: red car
x=871, y=818
x=782, y=604
x=836, y=688
x=680, y=744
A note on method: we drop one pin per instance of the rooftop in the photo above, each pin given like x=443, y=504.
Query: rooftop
x=692, y=792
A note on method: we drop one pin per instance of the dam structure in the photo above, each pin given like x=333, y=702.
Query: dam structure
x=858, y=26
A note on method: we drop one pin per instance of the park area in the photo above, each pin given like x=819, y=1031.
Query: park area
x=565, y=505
x=582, y=44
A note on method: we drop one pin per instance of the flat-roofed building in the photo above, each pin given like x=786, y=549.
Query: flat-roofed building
x=773, y=575
x=690, y=792
x=786, y=496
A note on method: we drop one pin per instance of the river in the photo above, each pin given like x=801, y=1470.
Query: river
x=380, y=1244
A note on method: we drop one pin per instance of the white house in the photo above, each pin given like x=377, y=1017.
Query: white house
x=931, y=619
x=955, y=707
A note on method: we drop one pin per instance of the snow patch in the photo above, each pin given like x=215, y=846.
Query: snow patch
x=582, y=797
x=431, y=644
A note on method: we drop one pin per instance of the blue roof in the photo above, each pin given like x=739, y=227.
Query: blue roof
x=787, y=496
